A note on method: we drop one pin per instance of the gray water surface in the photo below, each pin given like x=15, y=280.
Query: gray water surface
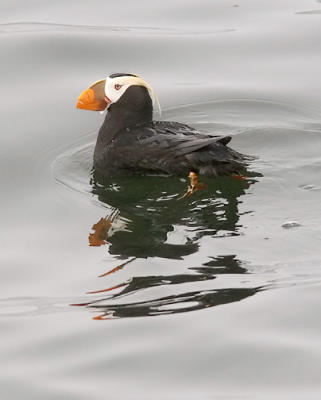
x=211, y=297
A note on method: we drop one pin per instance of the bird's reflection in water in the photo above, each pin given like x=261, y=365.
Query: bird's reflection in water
x=160, y=225
x=111, y=305
x=155, y=211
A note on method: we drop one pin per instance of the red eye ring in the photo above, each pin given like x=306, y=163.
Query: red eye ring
x=117, y=86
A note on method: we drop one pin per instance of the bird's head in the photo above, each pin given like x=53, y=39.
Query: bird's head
x=101, y=94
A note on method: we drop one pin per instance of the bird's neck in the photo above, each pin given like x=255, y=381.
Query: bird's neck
x=133, y=108
x=119, y=118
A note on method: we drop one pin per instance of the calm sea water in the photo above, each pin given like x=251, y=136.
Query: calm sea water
x=216, y=296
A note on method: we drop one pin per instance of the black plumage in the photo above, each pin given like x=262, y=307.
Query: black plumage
x=130, y=142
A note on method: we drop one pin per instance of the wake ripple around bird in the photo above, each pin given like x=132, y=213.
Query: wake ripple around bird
x=163, y=264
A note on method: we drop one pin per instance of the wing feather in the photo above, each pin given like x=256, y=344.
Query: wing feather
x=169, y=147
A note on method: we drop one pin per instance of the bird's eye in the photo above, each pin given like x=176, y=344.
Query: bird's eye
x=117, y=87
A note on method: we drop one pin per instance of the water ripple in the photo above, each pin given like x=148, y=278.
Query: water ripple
x=309, y=12
x=35, y=27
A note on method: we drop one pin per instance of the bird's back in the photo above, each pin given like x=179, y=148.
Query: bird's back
x=169, y=148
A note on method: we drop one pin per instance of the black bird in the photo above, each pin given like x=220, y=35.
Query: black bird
x=129, y=141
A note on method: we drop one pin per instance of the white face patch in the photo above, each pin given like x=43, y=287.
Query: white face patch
x=116, y=87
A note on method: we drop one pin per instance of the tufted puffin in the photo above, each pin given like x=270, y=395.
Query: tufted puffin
x=130, y=142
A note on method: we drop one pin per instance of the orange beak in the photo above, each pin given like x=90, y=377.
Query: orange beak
x=94, y=97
